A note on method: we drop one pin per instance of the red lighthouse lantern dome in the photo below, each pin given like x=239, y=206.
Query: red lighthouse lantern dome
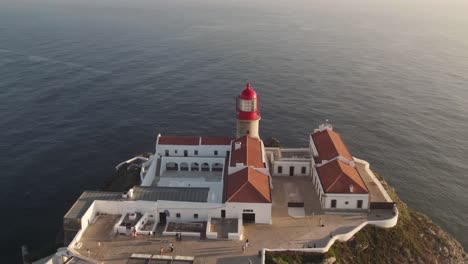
x=248, y=93
x=247, y=105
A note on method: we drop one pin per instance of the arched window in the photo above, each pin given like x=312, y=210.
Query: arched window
x=205, y=167
x=194, y=166
x=184, y=166
x=217, y=167
x=172, y=166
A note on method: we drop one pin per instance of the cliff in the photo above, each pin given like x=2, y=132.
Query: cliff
x=415, y=239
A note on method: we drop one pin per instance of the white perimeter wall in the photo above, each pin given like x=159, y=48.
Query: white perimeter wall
x=120, y=207
x=147, y=176
x=262, y=211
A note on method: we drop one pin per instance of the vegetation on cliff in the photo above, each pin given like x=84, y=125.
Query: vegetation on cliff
x=415, y=239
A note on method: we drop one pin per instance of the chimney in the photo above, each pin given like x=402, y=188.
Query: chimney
x=238, y=145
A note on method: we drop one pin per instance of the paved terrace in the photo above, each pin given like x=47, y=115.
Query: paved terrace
x=285, y=232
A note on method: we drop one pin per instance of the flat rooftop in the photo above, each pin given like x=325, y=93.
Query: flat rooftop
x=213, y=180
x=85, y=200
x=181, y=194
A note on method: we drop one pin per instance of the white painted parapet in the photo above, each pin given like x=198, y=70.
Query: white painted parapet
x=379, y=185
x=209, y=234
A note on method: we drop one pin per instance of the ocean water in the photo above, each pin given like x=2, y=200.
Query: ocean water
x=87, y=84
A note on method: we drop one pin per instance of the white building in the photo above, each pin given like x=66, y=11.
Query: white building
x=335, y=177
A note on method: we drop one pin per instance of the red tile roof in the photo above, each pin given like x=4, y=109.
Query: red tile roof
x=183, y=140
x=330, y=145
x=249, y=153
x=337, y=176
x=216, y=140
x=248, y=186
x=178, y=140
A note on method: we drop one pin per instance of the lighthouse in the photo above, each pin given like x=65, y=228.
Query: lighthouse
x=248, y=114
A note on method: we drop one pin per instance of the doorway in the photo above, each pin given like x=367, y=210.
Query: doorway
x=162, y=218
x=223, y=213
x=291, y=171
x=248, y=218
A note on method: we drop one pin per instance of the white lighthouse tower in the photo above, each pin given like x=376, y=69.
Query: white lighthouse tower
x=248, y=114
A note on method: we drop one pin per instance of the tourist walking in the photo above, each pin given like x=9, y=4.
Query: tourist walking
x=171, y=246
x=246, y=243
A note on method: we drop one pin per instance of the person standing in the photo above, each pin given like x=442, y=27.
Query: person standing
x=247, y=243
x=171, y=246
x=161, y=251
x=243, y=248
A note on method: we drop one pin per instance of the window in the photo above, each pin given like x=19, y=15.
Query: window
x=166, y=152
x=359, y=203
x=303, y=170
x=175, y=151
x=333, y=203
x=346, y=202
x=195, y=152
x=247, y=105
x=177, y=215
x=216, y=152
x=280, y=169
x=248, y=210
x=195, y=215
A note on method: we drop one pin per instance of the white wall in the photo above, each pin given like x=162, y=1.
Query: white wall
x=188, y=209
x=189, y=160
x=242, y=126
x=313, y=148
x=286, y=164
x=120, y=207
x=203, y=150
x=147, y=176
x=89, y=216
x=262, y=211
x=341, y=200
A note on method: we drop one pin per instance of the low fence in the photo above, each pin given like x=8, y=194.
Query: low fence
x=382, y=205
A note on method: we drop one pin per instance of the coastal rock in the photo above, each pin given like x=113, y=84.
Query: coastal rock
x=330, y=260
x=430, y=232
x=445, y=251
